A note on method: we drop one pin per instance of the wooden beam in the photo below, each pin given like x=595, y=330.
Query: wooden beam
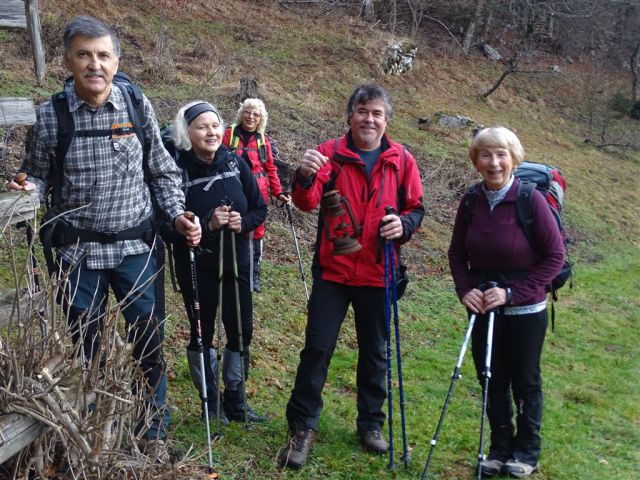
x=12, y=14
x=33, y=19
x=17, y=111
x=27, y=300
x=17, y=432
x=17, y=206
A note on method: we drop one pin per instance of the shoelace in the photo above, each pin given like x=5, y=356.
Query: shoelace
x=298, y=440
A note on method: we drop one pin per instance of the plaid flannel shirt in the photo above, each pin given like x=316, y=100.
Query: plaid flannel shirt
x=104, y=179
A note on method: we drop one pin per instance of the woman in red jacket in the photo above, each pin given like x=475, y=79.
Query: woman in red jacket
x=246, y=136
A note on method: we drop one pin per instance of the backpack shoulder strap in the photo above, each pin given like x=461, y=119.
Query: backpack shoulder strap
x=66, y=132
x=234, y=138
x=135, y=108
x=402, y=191
x=468, y=202
x=524, y=208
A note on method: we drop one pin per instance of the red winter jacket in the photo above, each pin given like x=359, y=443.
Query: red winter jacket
x=395, y=178
x=264, y=170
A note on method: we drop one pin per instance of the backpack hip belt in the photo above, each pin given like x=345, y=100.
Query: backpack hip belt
x=70, y=234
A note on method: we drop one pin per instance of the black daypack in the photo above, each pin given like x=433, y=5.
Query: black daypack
x=66, y=128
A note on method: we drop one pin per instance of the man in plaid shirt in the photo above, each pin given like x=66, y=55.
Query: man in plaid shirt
x=109, y=205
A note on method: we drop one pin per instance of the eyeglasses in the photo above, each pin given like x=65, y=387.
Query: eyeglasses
x=246, y=113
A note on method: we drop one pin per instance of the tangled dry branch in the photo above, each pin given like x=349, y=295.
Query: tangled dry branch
x=62, y=416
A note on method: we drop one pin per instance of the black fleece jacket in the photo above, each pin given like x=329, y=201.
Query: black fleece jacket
x=228, y=179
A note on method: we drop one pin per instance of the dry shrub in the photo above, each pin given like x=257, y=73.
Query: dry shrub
x=85, y=411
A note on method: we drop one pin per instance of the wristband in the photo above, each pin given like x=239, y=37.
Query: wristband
x=509, y=296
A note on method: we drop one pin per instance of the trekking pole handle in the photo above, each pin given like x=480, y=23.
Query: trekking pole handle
x=487, y=285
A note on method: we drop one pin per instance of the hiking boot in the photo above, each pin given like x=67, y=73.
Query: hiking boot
x=234, y=408
x=295, y=452
x=490, y=467
x=224, y=421
x=373, y=441
x=256, y=282
x=155, y=449
x=516, y=468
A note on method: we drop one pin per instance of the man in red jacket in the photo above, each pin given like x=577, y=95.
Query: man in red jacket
x=370, y=172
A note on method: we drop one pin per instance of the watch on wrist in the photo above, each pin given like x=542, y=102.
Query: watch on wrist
x=509, y=296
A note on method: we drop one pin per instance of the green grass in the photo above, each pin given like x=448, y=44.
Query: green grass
x=590, y=365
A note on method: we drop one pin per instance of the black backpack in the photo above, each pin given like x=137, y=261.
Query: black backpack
x=66, y=128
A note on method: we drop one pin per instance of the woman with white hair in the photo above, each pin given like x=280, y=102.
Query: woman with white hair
x=221, y=191
x=247, y=138
x=489, y=245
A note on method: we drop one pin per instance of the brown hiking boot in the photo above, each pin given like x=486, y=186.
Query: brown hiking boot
x=294, y=454
x=155, y=449
x=373, y=441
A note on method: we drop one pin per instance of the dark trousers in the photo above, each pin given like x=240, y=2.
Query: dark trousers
x=328, y=306
x=86, y=295
x=515, y=377
x=208, y=282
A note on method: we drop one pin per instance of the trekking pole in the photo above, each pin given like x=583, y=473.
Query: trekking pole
x=487, y=375
x=390, y=273
x=251, y=254
x=387, y=311
x=455, y=376
x=203, y=381
x=405, y=451
x=239, y=319
x=218, y=327
x=295, y=241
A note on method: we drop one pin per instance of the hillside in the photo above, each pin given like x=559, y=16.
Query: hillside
x=305, y=67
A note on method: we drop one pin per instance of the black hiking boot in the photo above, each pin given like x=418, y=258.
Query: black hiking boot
x=234, y=408
x=373, y=441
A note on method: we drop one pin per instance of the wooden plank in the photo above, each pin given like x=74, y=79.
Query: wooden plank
x=17, y=111
x=12, y=14
x=7, y=309
x=17, y=206
x=33, y=19
x=16, y=432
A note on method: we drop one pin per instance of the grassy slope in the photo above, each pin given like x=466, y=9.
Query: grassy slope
x=306, y=67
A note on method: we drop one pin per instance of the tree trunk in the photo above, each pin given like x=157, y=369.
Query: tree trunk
x=635, y=72
x=471, y=29
x=367, y=11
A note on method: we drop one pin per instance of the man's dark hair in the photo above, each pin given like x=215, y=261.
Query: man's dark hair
x=366, y=93
x=89, y=27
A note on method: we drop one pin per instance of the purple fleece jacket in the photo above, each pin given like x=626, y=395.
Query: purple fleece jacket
x=494, y=242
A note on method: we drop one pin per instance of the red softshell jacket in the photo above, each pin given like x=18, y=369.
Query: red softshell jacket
x=394, y=181
x=266, y=173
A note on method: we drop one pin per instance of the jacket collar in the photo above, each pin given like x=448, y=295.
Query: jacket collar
x=349, y=154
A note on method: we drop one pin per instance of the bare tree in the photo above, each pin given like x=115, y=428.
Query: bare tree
x=471, y=29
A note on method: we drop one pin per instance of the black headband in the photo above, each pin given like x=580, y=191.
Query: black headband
x=193, y=111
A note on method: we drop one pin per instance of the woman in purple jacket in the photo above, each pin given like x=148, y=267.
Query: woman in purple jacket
x=489, y=245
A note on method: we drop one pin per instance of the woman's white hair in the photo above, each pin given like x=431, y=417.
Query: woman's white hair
x=253, y=104
x=497, y=137
x=180, y=129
